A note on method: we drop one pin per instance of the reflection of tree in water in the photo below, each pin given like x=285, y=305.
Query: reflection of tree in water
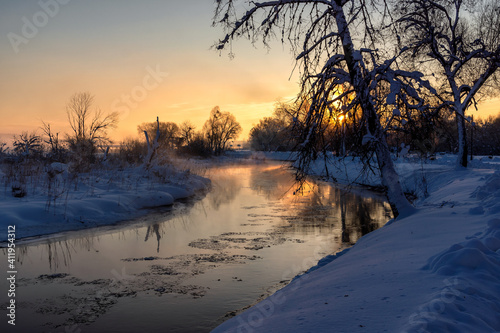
x=326, y=206
x=21, y=253
x=57, y=251
x=154, y=229
x=273, y=182
x=312, y=204
x=367, y=215
x=343, y=211
x=359, y=215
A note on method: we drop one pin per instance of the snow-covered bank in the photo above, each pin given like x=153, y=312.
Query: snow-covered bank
x=435, y=271
x=414, y=172
x=55, y=200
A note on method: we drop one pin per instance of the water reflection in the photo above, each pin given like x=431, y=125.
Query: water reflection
x=227, y=185
x=272, y=182
x=246, y=227
x=154, y=230
x=56, y=252
x=316, y=208
x=317, y=205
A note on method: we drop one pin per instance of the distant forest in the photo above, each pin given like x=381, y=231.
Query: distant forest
x=423, y=134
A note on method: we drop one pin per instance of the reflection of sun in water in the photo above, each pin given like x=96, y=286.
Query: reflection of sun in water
x=271, y=168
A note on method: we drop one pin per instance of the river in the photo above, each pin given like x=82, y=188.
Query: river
x=188, y=267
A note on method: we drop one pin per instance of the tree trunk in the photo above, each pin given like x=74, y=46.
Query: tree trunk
x=153, y=146
x=462, y=141
x=390, y=178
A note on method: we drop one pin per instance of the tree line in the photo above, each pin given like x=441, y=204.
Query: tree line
x=213, y=139
x=424, y=136
x=88, y=137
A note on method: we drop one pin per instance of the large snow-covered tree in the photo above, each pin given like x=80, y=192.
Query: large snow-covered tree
x=458, y=43
x=340, y=52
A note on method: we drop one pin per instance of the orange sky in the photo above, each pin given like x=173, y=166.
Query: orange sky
x=140, y=58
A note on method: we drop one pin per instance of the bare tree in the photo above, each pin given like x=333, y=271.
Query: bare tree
x=187, y=131
x=459, y=40
x=89, y=126
x=330, y=56
x=52, y=140
x=219, y=129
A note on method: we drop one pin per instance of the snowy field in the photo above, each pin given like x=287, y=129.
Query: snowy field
x=54, y=199
x=437, y=270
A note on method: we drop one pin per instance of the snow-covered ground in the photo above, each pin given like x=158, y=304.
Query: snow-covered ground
x=437, y=270
x=53, y=199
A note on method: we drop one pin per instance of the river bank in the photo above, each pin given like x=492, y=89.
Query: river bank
x=56, y=200
x=435, y=271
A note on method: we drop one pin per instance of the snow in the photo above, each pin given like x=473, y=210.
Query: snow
x=437, y=270
x=84, y=200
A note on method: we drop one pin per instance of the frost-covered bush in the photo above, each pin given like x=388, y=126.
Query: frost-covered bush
x=22, y=175
x=198, y=146
x=82, y=155
x=132, y=151
x=28, y=144
x=3, y=149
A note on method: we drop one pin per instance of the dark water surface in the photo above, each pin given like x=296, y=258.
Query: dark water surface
x=185, y=268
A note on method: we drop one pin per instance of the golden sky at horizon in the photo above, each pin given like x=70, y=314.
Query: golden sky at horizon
x=142, y=59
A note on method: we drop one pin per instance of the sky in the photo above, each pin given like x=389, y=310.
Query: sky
x=142, y=59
